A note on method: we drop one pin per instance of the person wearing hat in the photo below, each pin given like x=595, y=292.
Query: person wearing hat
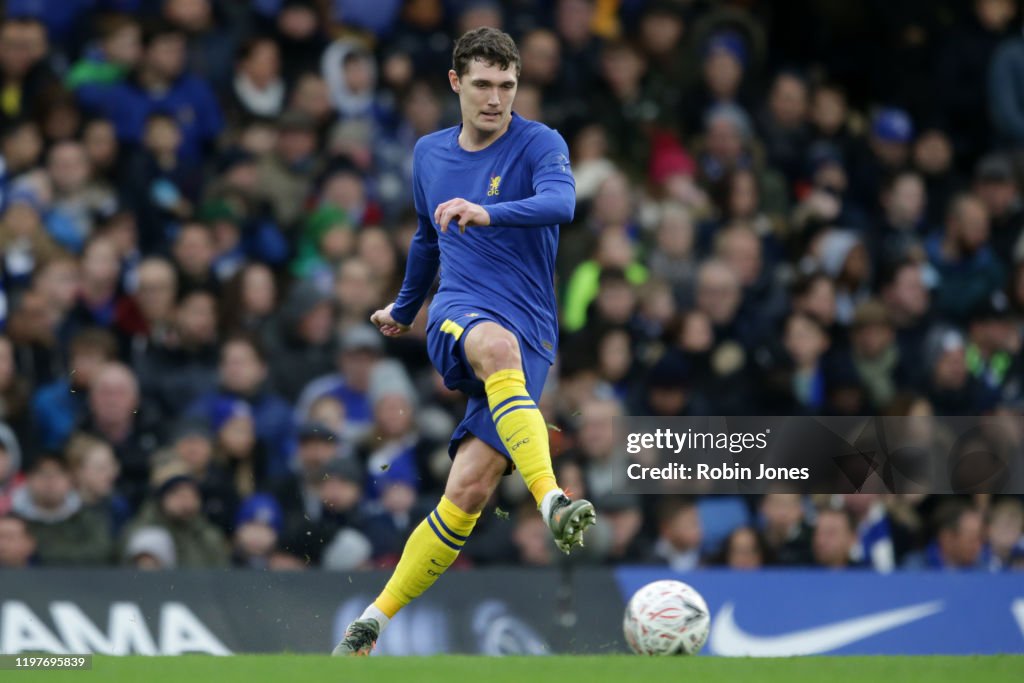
x=243, y=376
x=298, y=491
x=358, y=352
x=192, y=443
x=993, y=345
x=258, y=527
x=176, y=507
x=395, y=451
x=725, y=60
x=997, y=186
x=950, y=387
x=327, y=239
x=150, y=548
x=885, y=150
x=344, y=521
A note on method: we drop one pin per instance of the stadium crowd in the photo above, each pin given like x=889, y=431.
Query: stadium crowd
x=787, y=208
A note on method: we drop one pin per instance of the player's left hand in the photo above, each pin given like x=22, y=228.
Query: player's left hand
x=464, y=212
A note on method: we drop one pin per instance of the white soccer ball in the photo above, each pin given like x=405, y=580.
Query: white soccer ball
x=666, y=618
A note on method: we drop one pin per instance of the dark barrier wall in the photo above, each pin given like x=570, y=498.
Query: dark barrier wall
x=494, y=612
x=123, y=612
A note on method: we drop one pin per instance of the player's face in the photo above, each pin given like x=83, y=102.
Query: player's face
x=486, y=92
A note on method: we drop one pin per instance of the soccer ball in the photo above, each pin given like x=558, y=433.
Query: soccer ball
x=666, y=618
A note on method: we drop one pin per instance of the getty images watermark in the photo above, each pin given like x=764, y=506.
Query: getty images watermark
x=819, y=455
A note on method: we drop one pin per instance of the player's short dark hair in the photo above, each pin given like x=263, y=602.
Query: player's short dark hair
x=490, y=46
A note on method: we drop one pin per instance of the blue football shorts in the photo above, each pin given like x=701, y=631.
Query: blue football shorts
x=445, y=343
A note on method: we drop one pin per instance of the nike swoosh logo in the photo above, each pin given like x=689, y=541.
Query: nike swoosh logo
x=438, y=564
x=728, y=639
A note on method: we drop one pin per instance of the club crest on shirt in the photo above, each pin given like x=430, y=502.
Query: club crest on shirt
x=493, y=189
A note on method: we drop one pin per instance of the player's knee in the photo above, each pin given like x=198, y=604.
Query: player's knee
x=471, y=496
x=501, y=351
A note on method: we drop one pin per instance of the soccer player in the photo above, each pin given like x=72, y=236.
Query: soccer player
x=490, y=195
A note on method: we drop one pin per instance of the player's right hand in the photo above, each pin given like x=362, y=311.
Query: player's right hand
x=387, y=325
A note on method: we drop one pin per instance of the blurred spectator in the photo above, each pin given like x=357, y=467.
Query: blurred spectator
x=66, y=532
x=907, y=304
x=996, y=185
x=744, y=549
x=10, y=467
x=673, y=258
x=595, y=444
x=117, y=416
x=258, y=89
x=112, y=58
x=94, y=471
x=176, y=370
x=834, y=539
x=59, y=406
x=17, y=546
x=967, y=267
x=243, y=376
x=786, y=532
x=15, y=406
x=624, y=517
x=258, y=527
x=679, y=534
x=161, y=187
x=299, y=492
x=880, y=364
x=159, y=84
x=301, y=341
x=150, y=548
x=176, y=507
x=286, y=174
x=951, y=388
x=783, y=124
x=885, y=150
x=1005, y=534
x=250, y=298
x=532, y=539
x=24, y=73
x=961, y=72
x=358, y=353
x=960, y=537
x=613, y=250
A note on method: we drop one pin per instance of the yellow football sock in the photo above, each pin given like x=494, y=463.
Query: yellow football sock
x=431, y=548
x=521, y=426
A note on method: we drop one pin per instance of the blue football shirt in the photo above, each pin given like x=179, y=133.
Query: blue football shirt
x=506, y=269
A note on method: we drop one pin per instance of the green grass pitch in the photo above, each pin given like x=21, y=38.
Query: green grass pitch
x=556, y=669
